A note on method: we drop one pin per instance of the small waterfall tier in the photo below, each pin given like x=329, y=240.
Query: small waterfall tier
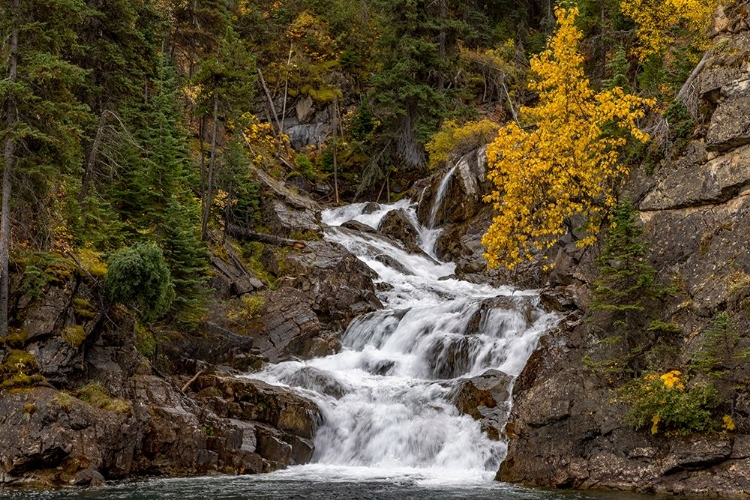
x=392, y=397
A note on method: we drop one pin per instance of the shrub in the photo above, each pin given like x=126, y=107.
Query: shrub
x=453, y=141
x=139, y=277
x=665, y=403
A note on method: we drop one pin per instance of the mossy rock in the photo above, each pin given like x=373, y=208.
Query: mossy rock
x=74, y=335
x=98, y=396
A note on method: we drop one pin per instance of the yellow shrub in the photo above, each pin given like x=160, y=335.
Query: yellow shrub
x=453, y=141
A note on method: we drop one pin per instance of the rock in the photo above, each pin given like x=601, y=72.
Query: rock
x=463, y=197
x=338, y=285
x=716, y=182
x=486, y=398
x=45, y=432
x=286, y=326
x=214, y=345
x=231, y=277
x=271, y=447
x=355, y=225
x=283, y=220
x=397, y=226
x=52, y=314
x=316, y=380
x=391, y=262
x=370, y=207
x=304, y=109
x=89, y=477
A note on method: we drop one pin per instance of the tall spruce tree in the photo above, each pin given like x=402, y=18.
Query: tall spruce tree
x=227, y=83
x=41, y=117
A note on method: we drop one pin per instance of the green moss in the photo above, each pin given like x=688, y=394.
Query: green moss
x=21, y=380
x=305, y=235
x=18, y=360
x=145, y=341
x=74, y=335
x=98, y=396
x=83, y=309
x=16, y=339
x=64, y=400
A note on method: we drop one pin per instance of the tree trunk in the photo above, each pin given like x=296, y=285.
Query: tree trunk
x=11, y=115
x=335, y=148
x=88, y=173
x=270, y=100
x=240, y=232
x=211, y=164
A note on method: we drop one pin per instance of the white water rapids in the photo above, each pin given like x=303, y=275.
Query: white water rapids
x=385, y=397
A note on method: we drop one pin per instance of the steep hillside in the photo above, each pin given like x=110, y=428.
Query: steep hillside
x=568, y=426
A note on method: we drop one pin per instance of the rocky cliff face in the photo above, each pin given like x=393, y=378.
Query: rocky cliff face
x=89, y=395
x=566, y=430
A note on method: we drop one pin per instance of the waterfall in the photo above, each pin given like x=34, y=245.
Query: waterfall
x=440, y=195
x=386, y=397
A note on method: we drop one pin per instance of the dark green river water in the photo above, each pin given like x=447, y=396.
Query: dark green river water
x=305, y=485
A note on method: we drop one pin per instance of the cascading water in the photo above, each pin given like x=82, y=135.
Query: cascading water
x=386, y=397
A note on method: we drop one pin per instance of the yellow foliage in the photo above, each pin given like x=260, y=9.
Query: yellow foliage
x=91, y=260
x=657, y=18
x=672, y=380
x=655, y=424
x=567, y=163
x=453, y=141
x=728, y=423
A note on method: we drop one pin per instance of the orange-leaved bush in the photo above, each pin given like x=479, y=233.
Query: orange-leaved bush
x=566, y=162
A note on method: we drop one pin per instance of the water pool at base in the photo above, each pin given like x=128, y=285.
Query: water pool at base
x=316, y=482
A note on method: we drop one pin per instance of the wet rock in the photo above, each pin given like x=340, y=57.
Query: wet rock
x=287, y=325
x=89, y=477
x=355, y=225
x=371, y=207
x=485, y=398
x=316, y=380
x=463, y=197
x=393, y=264
x=252, y=400
x=271, y=447
x=397, y=225
x=338, y=285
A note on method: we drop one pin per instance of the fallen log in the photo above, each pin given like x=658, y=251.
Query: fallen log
x=246, y=234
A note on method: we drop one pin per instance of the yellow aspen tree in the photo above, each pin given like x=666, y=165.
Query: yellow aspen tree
x=657, y=18
x=566, y=161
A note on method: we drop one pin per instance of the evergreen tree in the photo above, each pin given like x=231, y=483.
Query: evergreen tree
x=41, y=117
x=154, y=195
x=226, y=82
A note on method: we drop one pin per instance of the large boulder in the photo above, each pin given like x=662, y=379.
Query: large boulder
x=463, y=189
x=338, y=285
x=48, y=437
x=485, y=398
x=397, y=225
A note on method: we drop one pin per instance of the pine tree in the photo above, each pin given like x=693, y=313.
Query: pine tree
x=41, y=117
x=154, y=195
x=227, y=83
